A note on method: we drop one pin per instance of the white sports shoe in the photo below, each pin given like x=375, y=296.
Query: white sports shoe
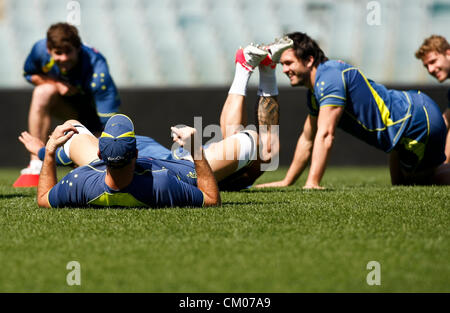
x=250, y=56
x=277, y=47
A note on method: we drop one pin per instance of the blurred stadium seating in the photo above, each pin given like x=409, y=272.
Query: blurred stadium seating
x=192, y=42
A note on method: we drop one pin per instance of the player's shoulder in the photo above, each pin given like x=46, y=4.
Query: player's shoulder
x=329, y=73
x=332, y=67
x=92, y=54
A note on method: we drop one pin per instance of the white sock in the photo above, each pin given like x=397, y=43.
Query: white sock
x=240, y=81
x=267, y=81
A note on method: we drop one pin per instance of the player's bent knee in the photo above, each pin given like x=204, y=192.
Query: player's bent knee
x=75, y=122
x=46, y=90
x=81, y=130
x=42, y=96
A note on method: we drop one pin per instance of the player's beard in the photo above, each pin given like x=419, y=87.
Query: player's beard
x=302, y=79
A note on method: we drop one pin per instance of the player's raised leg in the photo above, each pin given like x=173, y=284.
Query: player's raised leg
x=82, y=148
x=267, y=106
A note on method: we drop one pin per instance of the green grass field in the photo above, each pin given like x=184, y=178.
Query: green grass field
x=276, y=240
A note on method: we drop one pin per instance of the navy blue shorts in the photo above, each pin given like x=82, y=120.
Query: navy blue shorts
x=150, y=148
x=422, y=145
x=84, y=105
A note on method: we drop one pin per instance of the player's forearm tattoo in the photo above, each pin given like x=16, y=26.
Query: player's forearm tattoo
x=267, y=111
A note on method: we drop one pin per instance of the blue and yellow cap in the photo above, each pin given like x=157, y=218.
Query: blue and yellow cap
x=117, y=143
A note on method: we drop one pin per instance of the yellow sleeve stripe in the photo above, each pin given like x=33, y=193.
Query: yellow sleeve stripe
x=48, y=201
x=331, y=105
x=106, y=114
x=61, y=160
x=332, y=96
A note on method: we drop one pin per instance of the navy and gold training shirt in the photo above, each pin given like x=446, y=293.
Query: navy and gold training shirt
x=156, y=184
x=372, y=112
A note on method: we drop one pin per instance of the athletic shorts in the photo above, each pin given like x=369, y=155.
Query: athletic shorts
x=150, y=148
x=422, y=145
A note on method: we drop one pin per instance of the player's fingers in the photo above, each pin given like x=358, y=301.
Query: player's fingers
x=22, y=140
x=26, y=135
x=62, y=140
x=62, y=130
x=176, y=131
x=179, y=141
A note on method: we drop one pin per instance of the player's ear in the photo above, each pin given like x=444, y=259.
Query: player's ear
x=447, y=53
x=99, y=155
x=310, y=62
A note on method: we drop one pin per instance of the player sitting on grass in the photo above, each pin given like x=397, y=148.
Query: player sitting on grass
x=406, y=124
x=244, y=167
x=435, y=56
x=72, y=81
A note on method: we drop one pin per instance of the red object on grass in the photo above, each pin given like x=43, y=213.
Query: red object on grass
x=27, y=180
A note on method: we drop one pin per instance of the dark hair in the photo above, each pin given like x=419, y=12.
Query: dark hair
x=305, y=47
x=61, y=35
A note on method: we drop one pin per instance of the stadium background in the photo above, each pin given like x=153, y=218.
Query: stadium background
x=173, y=59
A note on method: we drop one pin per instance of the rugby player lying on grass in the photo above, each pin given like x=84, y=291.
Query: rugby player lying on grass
x=119, y=178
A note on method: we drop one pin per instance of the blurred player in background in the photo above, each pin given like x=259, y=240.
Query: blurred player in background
x=406, y=124
x=72, y=81
x=435, y=56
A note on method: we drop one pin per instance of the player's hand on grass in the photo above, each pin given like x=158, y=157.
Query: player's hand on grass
x=65, y=89
x=60, y=136
x=31, y=143
x=280, y=183
x=311, y=186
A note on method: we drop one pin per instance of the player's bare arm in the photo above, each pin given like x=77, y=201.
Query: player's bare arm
x=327, y=121
x=206, y=181
x=47, y=178
x=302, y=155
